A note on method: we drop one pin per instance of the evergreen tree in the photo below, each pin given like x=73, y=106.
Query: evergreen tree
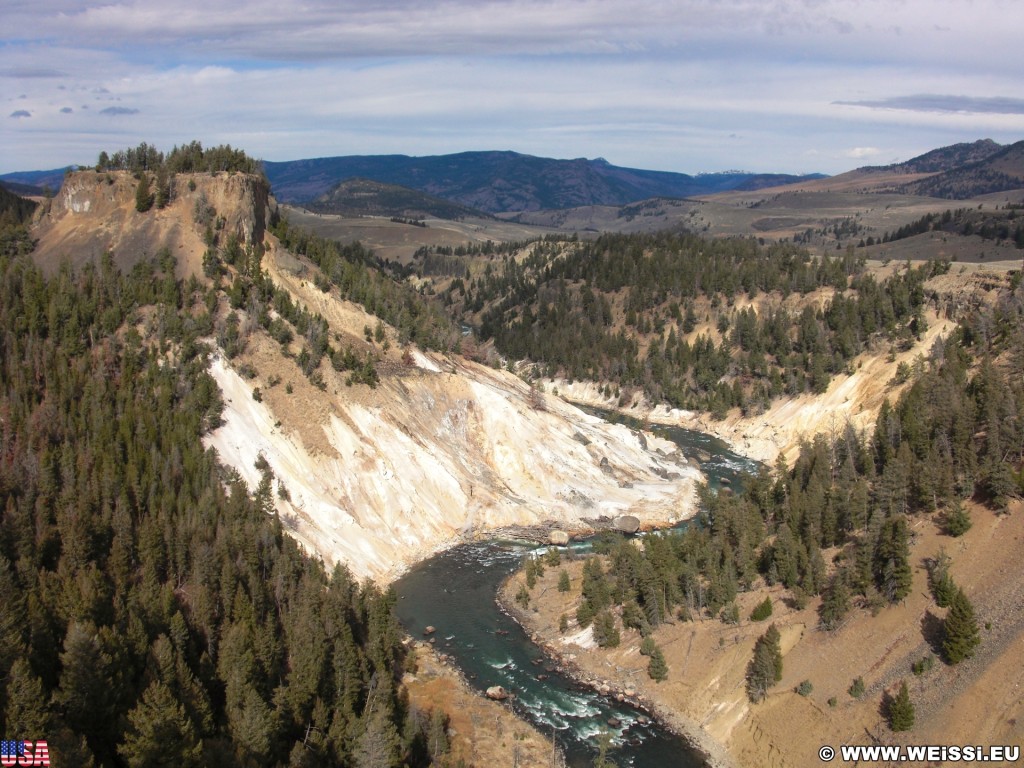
x=762, y=610
x=28, y=707
x=437, y=736
x=123, y=505
x=160, y=733
x=765, y=668
x=960, y=630
x=604, y=742
x=86, y=689
x=957, y=520
x=163, y=188
x=606, y=634
x=940, y=581
x=595, y=585
x=584, y=614
x=143, y=194
x=901, y=710
x=563, y=581
x=836, y=602
x=657, y=669
x=647, y=646
x=892, y=559
x=379, y=745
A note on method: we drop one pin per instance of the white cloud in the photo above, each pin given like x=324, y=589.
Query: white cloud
x=860, y=153
x=694, y=85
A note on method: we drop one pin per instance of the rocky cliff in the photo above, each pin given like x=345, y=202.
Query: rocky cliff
x=442, y=450
x=94, y=213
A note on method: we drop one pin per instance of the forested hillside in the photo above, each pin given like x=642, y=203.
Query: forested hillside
x=14, y=210
x=661, y=313
x=156, y=614
x=838, y=523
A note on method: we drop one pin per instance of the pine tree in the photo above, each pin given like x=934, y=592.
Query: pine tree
x=563, y=581
x=836, y=602
x=595, y=586
x=437, y=737
x=160, y=733
x=940, y=581
x=647, y=646
x=28, y=709
x=606, y=634
x=901, y=710
x=163, y=188
x=961, y=630
x=656, y=667
x=957, y=520
x=892, y=559
x=765, y=668
x=762, y=610
x=584, y=614
x=143, y=195
x=604, y=741
x=378, y=746
x=85, y=690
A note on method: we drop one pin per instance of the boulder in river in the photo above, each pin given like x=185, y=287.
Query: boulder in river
x=558, y=538
x=626, y=524
x=497, y=692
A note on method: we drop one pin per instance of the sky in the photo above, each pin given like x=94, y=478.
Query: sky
x=788, y=86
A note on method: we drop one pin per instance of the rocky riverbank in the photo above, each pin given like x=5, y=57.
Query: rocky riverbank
x=482, y=732
x=612, y=683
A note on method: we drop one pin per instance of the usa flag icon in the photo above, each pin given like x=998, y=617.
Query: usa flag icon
x=12, y=748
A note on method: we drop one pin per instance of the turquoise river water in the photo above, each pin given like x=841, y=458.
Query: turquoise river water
x=455, y=593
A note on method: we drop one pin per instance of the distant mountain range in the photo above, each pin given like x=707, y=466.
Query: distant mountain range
x=34, y=182
x=500, y=182
x=467, y=183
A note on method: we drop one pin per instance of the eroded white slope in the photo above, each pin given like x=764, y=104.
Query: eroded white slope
x=450, y=450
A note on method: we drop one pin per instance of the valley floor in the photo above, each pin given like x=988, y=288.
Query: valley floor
x=978, y=702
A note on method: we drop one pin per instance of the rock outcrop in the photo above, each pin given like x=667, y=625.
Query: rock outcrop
x=442, y=450
x=94, y=213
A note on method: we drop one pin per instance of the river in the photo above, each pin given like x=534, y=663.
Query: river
x=455, y=593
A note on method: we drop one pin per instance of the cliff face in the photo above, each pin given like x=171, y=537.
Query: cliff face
x=440, y=450
x=94, y=213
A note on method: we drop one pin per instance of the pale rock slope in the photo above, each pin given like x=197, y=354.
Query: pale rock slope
x=439, y=451
x=851, y=399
